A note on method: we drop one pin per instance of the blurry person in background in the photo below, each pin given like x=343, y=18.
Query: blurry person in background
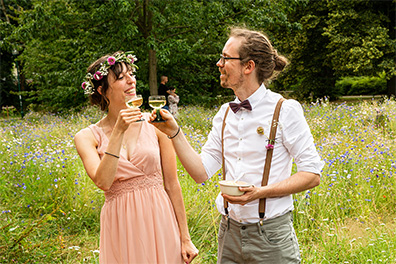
x=173, y=100
x=163, y=89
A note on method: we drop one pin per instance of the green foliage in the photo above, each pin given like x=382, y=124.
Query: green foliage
x=70, y=35
x=189, y=59
x=337, y=39
x=359, y=167
x=365, y=85
x=309, y=74
x=59, y=39
x=360, y=39
x=8, y=82
x=8, y=111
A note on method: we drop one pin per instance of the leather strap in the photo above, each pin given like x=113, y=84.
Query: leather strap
x=222, y=154
x=268, y=158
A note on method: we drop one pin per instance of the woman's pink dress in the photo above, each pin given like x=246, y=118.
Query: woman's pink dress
x=137, y=221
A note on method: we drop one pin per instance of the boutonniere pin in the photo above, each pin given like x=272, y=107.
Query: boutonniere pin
x=260, y=130
x=271, y=142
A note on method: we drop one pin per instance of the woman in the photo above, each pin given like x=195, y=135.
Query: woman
x=143, y=218
x=173, y=100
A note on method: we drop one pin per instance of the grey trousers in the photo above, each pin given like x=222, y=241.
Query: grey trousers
x=274, y=242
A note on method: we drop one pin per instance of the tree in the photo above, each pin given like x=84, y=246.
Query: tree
x=309, y=74
x=8, y=82
x=337, y=39
x=60, y=38
x=362, y=38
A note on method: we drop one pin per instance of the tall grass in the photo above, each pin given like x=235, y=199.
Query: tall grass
x=49, y=208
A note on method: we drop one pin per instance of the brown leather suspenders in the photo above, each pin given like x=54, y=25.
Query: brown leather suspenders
x=268, y=158
x=222, y=154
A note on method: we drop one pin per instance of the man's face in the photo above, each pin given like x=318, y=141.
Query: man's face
x=231, y=70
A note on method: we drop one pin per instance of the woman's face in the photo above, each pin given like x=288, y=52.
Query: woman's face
x=121, y=86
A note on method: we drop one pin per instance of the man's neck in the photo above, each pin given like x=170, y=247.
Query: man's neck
x=246, y=91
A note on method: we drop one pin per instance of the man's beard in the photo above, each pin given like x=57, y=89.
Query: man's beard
x=225, y=84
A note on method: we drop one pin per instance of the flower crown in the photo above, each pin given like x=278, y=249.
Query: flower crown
x=126, y=57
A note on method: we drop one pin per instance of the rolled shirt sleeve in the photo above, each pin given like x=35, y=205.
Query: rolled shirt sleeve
x=297, y=138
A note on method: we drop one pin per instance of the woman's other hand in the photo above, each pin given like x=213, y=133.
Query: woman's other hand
x=189, y=251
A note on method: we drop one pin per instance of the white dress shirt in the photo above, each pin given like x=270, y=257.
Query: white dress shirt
x=245, y=152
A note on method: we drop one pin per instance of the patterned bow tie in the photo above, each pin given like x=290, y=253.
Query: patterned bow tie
x=245, y=104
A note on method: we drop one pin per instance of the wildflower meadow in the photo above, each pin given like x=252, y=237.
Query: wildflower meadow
x=49, y=208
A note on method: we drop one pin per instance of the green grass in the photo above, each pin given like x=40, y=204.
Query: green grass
x=49, y=209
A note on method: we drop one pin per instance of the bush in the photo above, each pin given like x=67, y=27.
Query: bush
x=363, y=85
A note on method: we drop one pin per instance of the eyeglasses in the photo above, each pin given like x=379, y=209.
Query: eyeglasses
x=223, y=58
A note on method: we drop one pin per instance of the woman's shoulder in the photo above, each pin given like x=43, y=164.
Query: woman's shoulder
x=84, y=133
x=91, y=133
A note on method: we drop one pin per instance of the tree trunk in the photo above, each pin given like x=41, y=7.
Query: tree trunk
x=153, y=72
x=145, y=26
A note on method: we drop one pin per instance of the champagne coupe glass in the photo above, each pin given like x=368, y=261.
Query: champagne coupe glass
x=157, y=102
x=134, y=102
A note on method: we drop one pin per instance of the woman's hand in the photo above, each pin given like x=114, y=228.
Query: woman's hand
x=169, y=127
x=189, y=251
x=126, y=117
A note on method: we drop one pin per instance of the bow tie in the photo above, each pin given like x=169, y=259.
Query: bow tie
x=245, y=104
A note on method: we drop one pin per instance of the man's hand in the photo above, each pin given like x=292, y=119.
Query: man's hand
x=251, y=193
x=169, y=127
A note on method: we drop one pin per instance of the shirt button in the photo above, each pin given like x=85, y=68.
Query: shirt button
x=243, y=227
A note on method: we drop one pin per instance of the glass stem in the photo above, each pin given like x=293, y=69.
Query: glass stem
x=158, y=115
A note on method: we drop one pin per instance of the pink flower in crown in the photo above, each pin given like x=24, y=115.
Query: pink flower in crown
x=111, y=60
x=130, y=56
x=98, y=75
x=84, y=85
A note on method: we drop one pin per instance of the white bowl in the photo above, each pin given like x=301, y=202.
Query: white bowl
x=232, y=188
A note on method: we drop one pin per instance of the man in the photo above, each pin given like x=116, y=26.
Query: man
x=247, y=60
x=163, y=89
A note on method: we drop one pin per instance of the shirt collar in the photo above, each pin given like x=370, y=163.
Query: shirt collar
x=256, y=97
